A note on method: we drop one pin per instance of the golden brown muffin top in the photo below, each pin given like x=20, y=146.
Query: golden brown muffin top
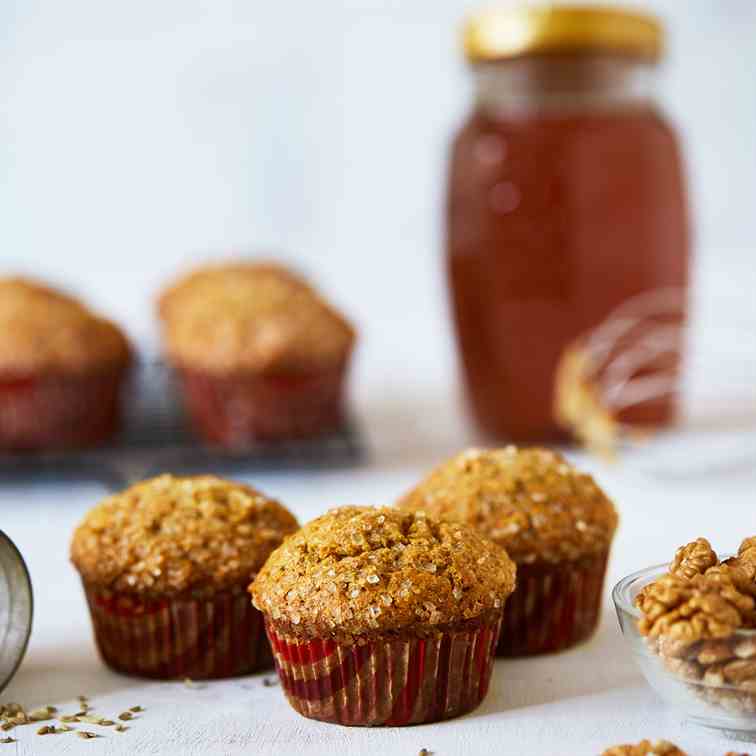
x=530, y=501
x=44, y=331
x=252, y=317
x=365, y=571
x=645, y=748
x=168, y=535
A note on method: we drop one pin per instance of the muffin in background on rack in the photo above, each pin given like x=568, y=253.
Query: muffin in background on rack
x=259, y=355
x=555, y=523
x=165, y=565
x=62, y=369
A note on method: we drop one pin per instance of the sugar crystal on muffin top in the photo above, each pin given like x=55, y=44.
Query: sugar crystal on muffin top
x=531, y=501
x=360, y=571
x=170, y=534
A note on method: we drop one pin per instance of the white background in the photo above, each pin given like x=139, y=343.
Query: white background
x=137, y=137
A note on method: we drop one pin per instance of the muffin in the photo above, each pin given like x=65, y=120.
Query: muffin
x=165, y=566
x=61, y=370
x=381, y=617
x=555, y=523
x=259, y=355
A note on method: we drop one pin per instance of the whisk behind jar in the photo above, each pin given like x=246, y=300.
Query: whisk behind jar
x=621, y=380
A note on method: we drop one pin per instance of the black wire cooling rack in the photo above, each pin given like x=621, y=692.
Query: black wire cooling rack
x=157, y=438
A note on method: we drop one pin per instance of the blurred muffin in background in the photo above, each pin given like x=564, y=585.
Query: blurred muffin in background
x=165, y=565
x=555, y=523
x=61, y=370
x=258, y=353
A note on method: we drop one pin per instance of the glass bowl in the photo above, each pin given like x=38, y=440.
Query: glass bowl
x=690, y=677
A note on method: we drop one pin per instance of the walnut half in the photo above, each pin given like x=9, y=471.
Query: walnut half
x=645, y=748
x=693, y=559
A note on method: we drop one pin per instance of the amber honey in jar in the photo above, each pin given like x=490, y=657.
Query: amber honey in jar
x=566, y=199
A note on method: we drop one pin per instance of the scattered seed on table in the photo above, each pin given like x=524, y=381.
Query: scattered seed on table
x=125, y=716
x=91, y=719
x=121, y=728
x=40, y=715
x=86, y=734
x=136, y=709
x=47, y=730
x=8, y=740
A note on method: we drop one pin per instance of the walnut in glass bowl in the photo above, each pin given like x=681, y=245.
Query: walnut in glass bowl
x=692, y=628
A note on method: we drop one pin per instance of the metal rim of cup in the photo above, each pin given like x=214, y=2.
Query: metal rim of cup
x=16, y=624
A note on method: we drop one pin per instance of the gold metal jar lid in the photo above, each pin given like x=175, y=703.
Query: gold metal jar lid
x=509, y=32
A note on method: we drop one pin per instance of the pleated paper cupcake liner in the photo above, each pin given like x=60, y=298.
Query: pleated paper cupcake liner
x=553, y=607
x=58, y=412
x=179, y=637
x=387, y=682
x=238, y=410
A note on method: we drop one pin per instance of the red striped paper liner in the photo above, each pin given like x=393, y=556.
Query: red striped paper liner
x=58, y=411
x=238, y=410
x=179, y=637
x=553, y=607
x=391, y=682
